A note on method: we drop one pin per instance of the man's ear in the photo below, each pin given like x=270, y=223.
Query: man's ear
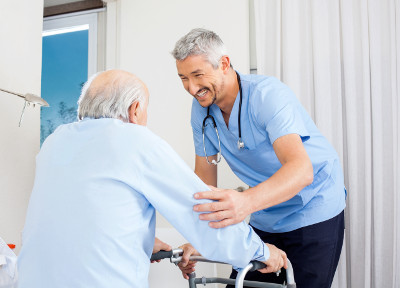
x=225, y=63
x=133, y=112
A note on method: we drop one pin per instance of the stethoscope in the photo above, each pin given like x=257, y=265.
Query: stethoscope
x=240, y=143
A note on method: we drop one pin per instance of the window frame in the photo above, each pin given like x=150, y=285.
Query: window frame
x=64, y=21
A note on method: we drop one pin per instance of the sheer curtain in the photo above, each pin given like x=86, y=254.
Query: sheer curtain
x=342, y=59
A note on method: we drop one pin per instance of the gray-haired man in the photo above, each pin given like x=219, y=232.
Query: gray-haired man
x=297, y=193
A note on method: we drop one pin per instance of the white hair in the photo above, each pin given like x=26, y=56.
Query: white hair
x=111, y=100
x=200, y=42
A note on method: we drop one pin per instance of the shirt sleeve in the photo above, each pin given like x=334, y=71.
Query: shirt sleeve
x=169, y=185
x=198, y=115
x=277, y=110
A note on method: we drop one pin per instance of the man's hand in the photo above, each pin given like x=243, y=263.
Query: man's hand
x=232, y=207
x=158, y=246
x=185, y=265
x=277, y=259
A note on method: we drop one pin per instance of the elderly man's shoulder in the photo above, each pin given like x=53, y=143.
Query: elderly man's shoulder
x=108, y=128
x=139, y=133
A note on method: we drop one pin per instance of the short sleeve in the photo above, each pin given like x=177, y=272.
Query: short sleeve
x=278, y=111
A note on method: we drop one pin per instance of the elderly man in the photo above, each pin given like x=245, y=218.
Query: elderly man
x=91, y=216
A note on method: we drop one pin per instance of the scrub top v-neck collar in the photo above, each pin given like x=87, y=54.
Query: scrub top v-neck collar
x=232, y=130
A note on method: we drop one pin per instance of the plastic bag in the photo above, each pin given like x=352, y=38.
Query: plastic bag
x=8, y=266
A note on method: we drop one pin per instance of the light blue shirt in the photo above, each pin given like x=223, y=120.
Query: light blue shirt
x=91, y=215
x=271, y=110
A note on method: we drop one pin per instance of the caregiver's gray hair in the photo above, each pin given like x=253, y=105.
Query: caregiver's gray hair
x=112, y=99
x=200, y=42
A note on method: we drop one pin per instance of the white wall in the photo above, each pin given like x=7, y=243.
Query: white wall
x=20, y=71
x=140, y=37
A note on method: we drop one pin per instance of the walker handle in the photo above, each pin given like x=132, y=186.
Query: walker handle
x=257, y=265
x=162, y=254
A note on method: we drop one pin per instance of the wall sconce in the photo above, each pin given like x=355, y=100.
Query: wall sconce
x=29, y=99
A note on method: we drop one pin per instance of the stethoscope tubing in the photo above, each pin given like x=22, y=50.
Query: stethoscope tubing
x=209, y=116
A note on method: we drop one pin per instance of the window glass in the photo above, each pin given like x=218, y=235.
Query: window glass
x=64, y=71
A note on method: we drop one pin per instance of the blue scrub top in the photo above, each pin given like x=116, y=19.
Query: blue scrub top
x=271, y=110
x=91, y=215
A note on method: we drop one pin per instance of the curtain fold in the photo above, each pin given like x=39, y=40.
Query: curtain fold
x=342, y=59
x=396, y=258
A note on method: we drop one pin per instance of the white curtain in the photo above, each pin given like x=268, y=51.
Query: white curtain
x=342, y=59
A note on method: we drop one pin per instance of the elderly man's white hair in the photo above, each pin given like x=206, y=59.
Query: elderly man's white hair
x=109, y=94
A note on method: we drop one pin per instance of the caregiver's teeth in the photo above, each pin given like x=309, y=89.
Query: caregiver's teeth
x=202, y=93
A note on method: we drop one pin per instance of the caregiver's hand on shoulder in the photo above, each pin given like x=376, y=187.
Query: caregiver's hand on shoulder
x=230, y=207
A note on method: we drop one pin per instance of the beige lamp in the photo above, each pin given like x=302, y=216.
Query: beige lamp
x=29, y=99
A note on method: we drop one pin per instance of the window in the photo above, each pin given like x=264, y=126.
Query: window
x=69, y=56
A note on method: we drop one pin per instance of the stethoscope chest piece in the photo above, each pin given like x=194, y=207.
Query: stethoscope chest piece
x=240, y=144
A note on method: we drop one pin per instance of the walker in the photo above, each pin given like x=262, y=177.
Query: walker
x=175, y=256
